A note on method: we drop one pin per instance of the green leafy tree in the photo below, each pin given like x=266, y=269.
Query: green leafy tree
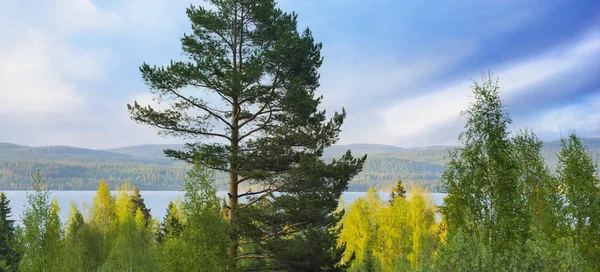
x=360, y=224
x=258, y=121
x=540, y=189
x=104, y=213
x=482, y=176
x=83, y=243
x=40, y=238
x=132, y=250
x=9, y=259
x=203, y=242
x=466, y=252
x=578, y=176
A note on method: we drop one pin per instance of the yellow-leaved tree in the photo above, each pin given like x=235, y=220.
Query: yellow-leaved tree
x=103, y=211
x=359, y=225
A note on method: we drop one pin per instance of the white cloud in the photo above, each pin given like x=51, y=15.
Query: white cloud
x=44, y=76
x=30, y=78
x=73, y=16
x=408, y=122
x=583, y=117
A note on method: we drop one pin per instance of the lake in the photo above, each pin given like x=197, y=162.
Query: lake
x=157, y=201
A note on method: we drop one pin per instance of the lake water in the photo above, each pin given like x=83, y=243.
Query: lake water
x=157, y=201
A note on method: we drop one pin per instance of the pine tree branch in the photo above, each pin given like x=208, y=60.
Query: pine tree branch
x=200, y=106
x=253, y=193
x=252, y=256
x=285, y=231
x=267, y=193
x=179, y=129
x=263, y=126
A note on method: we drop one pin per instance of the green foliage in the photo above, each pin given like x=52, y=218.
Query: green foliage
x=84, y=244
x=540, y=188
x=382, y=168
x=482, y=177
x=466, y=252
x=9, y=258
x=399, y=236
x=578, y=177
x=172, y=224
x=204, y=241
x=133, y=248
x=40, y=238
x=137, y=203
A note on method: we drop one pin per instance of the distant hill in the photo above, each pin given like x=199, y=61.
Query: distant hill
x=152, y=152
x=155, y=152
x=66, y=167
x=360, y=150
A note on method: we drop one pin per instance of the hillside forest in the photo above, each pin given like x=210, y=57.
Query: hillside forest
x=509, y=206
x=146, y=167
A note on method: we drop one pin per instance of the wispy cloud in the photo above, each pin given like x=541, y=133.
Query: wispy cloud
x=402, y=70
x=420, y=121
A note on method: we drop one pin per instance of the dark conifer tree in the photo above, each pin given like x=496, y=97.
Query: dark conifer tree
x=397, y=191
x=138, y=203
x=9, y=259
x=171, y=226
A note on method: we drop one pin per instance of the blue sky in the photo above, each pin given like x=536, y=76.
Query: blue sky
x=402, y=69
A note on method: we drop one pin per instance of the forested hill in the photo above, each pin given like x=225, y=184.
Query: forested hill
x=146, y=166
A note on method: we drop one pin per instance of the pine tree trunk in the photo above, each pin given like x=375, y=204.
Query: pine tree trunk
x=233, y=183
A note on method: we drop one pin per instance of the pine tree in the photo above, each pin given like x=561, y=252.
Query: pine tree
x=265, y=130
x=9, y=259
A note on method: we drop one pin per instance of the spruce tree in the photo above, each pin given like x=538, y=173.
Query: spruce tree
x=397, y=191
x=138, y=204
x=172, y=224
x=9, y=259
x=246, y=100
